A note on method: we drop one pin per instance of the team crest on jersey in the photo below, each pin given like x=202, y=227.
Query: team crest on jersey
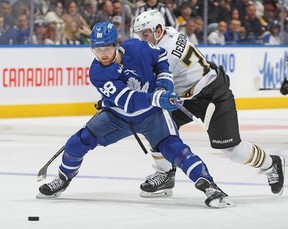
x=120, y=69
x=135, y=84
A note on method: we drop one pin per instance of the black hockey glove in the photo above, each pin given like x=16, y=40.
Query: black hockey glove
x=284, y=87
x=213, y=65
x=98, y=104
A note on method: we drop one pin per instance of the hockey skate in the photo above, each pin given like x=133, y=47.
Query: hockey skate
x=159, y=184
x=54, y=188
x=216, y=198
x=275, y=174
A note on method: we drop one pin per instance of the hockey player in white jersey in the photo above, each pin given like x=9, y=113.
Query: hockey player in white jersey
x=200, y=83
x=130, y=78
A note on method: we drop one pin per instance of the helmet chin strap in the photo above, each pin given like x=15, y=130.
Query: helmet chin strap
x=158, y=38
x=116, y=54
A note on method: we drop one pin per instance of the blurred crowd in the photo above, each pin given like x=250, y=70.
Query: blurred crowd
x=61, y=22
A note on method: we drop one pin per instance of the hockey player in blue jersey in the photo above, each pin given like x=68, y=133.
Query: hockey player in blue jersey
x=129, y=78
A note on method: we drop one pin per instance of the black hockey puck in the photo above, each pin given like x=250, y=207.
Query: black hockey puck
x=33, y=218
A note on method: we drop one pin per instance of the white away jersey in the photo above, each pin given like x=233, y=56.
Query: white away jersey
x=192, y=68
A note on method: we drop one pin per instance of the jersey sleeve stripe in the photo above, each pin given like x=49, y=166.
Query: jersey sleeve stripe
x=120, y=94
x=127, y=100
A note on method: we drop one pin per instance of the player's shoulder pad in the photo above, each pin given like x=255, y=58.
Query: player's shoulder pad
x=131, y=44
x=171, y=30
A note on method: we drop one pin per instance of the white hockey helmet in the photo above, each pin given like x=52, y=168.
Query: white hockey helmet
x=149, y=20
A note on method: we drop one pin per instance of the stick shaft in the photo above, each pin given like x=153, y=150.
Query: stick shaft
x=43, y=171
x=208, y=115
x=137, y=137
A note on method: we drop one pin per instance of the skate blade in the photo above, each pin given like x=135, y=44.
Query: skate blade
x=42, y=196
x=283, y=171
x=160, y=193
x=221, y=203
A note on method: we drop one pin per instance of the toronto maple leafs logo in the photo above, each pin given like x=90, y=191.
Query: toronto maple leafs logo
x=120, y=69
x=135, y=84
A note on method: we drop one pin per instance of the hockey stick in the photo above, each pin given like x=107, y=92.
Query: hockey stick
x=43, y=171
x=208, y=115
x=137, y=137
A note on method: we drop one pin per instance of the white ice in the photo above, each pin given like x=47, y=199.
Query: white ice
x=105, y=194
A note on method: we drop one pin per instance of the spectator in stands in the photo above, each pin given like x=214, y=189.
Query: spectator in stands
x=252, y=26
x=212, y=9
x=259, y=8
x=52, y=37
x=90, y=13
x=105, y=12
x=236, y=16
x=217, y=37
x=138, y=3
x=55, y=14
x=285, y=42
x=2, y=29
x=273, y=37
x=20, y=7
x=5, y=9
x=275, y=3
x=241, y=5
x=169, y=16
x=20, y=33
x=44, y=7
x=39, y=31
x=199, y=29
x=269, y=15
x=195, y=8
x=117, y=9
x=225, y=9
x=172, y=6
x=73, y=35
x=72, y=14
x=117, y=21
x=233, y=35
x=190, y=29
x=185, y=12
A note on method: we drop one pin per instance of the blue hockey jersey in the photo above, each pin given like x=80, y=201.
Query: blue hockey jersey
x=127, y=88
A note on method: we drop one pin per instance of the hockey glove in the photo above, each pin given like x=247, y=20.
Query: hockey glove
x=164, y=82
x=284, y=87
x=98, y=105
x=164, y=99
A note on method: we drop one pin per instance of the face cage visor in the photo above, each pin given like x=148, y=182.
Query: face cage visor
x=105, y=51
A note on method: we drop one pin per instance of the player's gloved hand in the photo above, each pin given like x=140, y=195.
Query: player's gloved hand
x=284, y=87
x=164, y=82
x=165, y=100
x=98, y=104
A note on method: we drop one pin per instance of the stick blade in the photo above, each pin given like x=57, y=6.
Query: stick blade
x=42, y=174
x=209, y=113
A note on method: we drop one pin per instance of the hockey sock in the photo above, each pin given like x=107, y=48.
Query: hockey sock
x=179, y=154
x=259, y=158
x=75, y=149
x=161, y=162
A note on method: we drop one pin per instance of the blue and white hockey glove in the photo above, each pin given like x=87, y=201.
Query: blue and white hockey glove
x=164, y=82
x=164, y=99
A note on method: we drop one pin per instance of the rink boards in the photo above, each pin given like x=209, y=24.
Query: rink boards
x=54, y=81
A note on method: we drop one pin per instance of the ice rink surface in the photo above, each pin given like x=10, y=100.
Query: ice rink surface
x=105, y=194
